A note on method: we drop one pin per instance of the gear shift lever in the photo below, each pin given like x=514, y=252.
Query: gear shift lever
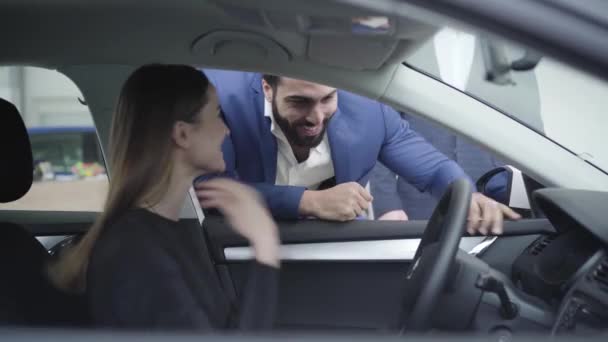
x=486, y=282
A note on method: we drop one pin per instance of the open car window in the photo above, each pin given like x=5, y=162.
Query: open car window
x=69, y=169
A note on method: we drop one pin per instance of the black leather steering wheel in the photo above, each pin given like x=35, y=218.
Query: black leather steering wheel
x=429, y=272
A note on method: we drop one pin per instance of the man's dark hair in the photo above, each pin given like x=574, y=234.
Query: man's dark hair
x=272, y=80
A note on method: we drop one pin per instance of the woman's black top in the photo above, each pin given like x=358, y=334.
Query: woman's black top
x=149, y=272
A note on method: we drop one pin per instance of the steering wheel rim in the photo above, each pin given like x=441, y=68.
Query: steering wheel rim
x=428, y=274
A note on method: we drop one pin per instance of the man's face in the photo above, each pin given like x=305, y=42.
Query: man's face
x=302, y=109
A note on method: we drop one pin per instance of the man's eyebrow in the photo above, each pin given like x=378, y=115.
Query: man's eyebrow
x=298, y=98
x=332, y=93
x=301, y=98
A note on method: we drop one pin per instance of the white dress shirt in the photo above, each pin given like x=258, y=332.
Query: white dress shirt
x=309, y=173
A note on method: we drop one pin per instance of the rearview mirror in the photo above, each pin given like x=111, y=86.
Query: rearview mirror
x=498, y=66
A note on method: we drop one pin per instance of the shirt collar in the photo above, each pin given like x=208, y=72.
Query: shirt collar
x=274, y=128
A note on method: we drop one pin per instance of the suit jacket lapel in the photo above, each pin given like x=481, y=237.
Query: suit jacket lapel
x=340, y=141
x=267, y=141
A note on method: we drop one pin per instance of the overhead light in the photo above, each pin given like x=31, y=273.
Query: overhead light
x=370, y=25
x=362, y=25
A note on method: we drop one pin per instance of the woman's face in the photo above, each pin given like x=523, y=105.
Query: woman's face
x=206, y=135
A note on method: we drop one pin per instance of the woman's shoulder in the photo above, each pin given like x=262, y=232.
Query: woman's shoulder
x=130, y=234
x=131, y=224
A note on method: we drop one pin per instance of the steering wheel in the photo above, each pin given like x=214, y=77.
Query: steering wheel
x=429, y=272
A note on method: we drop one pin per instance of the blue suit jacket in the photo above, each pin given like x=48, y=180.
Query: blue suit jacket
x=361, y=132
x=392, y=194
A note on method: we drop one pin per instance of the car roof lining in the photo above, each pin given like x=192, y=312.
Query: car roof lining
x=124, y=32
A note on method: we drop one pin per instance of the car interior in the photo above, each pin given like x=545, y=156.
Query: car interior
x=546, y=275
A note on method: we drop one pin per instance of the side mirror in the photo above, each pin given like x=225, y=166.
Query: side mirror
x=509, y=186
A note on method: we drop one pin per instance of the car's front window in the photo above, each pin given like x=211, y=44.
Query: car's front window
x=562, y=103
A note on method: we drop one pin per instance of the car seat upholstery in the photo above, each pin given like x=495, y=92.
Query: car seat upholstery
x=16, y=153
x=26, y=295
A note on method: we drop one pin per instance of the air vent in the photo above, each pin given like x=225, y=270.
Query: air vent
x=601, y=272
x=541, y=243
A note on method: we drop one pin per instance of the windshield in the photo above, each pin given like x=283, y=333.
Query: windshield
x=562, y=103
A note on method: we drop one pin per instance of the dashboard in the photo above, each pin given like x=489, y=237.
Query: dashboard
x=569, y=270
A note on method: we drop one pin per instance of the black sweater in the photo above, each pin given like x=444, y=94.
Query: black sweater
x=148, y=272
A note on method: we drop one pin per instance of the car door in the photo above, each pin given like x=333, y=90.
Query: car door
x=347, y=275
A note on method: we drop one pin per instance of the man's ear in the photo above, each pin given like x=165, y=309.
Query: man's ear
x=181, y=134
x=267, y=90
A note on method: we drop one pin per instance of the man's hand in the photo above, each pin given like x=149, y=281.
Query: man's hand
x=394, y=215
x=343, y=202
x=486, y=215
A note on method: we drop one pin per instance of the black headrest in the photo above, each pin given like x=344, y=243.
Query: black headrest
x=16, y=165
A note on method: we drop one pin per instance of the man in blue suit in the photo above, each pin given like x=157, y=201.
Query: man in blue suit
x=309, y=148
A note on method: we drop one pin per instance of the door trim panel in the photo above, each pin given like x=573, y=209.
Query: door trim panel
x=316, y=240
x=378, y=250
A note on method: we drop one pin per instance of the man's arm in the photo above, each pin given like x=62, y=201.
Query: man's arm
x=343, y=202
x=414, y=159
x=282, y=200
x=418, y=162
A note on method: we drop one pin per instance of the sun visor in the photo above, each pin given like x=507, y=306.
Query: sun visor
x=355, y=53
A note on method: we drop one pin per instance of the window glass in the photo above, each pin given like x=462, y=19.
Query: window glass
x=564, y=104
x=69, y=169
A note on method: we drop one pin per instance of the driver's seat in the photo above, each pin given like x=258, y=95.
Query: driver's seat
x=26, y=295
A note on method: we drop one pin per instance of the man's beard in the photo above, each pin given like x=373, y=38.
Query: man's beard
x=291, y=133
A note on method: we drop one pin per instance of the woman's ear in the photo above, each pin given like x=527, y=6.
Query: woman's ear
x=181, y=134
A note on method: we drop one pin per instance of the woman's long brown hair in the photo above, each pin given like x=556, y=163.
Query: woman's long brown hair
x=152, y=99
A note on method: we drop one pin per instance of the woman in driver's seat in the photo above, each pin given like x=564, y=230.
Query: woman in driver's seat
x=139, y=266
